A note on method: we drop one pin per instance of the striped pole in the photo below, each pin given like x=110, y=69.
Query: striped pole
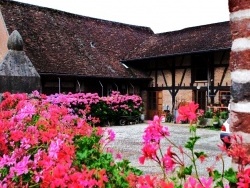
x=240, y=69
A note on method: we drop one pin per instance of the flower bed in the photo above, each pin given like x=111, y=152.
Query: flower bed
x=47, y=141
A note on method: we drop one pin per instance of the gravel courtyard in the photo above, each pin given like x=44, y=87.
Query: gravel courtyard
x=128, y=142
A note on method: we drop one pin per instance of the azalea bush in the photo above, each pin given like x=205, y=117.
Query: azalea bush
x=179, y=164
x=45, y=143
x=100, y=110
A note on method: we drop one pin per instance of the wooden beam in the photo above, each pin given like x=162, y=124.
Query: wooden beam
x=182, y=77
x=173, y=94
x=181, y=67
x=156, y=75
x=164, y=78
x=203, y=88
x=222, y=78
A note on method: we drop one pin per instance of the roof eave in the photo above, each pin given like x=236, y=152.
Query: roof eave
x=176, y=54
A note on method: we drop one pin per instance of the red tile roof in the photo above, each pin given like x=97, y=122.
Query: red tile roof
x=64, y=43
x=194, y=39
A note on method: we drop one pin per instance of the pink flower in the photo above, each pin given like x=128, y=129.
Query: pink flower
x=244, y=178
x=207, y=182
x=6, y=160
x=191, y=183
x=155, y=131
x=118, y=156
x=111, y=134
x=25, y=143
x=38, y=176
x=187, y=112
x=54, y=148
x=27, y=111
x=21, y=167
x=149, y=151
x=168, y=161
x=194, y=183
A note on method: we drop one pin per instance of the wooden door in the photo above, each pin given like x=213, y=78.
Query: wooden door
x=200, y=98
x=155, y=100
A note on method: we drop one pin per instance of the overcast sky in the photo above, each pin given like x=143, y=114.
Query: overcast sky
x=159, y=15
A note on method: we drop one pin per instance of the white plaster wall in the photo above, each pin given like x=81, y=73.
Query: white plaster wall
x=160, y=78
x=167, y=99
x=184, y=96
x=218, y=75
x=187, y=77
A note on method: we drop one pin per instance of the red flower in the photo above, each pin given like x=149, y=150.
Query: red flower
x=187, y=112
x=244, y=178
x=149, y=151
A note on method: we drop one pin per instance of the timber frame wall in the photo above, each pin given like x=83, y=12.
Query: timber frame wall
x=181, y=77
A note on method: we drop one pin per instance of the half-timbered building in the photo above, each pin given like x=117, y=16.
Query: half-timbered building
x=185, y=65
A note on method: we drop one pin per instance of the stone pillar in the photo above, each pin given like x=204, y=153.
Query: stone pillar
x=17, y=73
x=240, y=68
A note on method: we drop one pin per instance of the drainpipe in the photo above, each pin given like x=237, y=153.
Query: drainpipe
x=133, y=88
x=102, y=87
x=59, y=84
x=79, y=85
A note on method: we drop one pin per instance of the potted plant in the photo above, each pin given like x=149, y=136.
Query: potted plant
x=216, y=121
x=208, y=118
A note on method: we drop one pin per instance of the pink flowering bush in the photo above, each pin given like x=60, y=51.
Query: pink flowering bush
x=44, y=143
x=99, y=110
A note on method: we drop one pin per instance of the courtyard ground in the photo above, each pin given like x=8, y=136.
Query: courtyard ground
x=128, y=142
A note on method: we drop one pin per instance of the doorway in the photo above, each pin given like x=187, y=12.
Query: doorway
x=200, y=98
x=155, y=100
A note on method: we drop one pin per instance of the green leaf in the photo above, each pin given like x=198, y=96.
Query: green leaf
x=3, y=172
x=216, y=175
x=219, y=184
x=191, y=142
x=188, y=170
x=192, y=128
x=198, y=154
x=231, y=175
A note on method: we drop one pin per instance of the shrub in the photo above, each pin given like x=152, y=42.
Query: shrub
x=99, y=110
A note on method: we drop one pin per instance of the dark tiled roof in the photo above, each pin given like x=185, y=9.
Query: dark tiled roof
x=60, y=42
x=194, y=39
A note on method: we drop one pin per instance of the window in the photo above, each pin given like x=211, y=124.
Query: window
x=224, y=98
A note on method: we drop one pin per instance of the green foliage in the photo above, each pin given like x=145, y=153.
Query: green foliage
x=208, y=114
x=215, y=119
x=102, y=111
x=231, y=175
x=89, y=154
x=188, y=170
x=224, y=114
x=191, y=142
x=3, y=172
